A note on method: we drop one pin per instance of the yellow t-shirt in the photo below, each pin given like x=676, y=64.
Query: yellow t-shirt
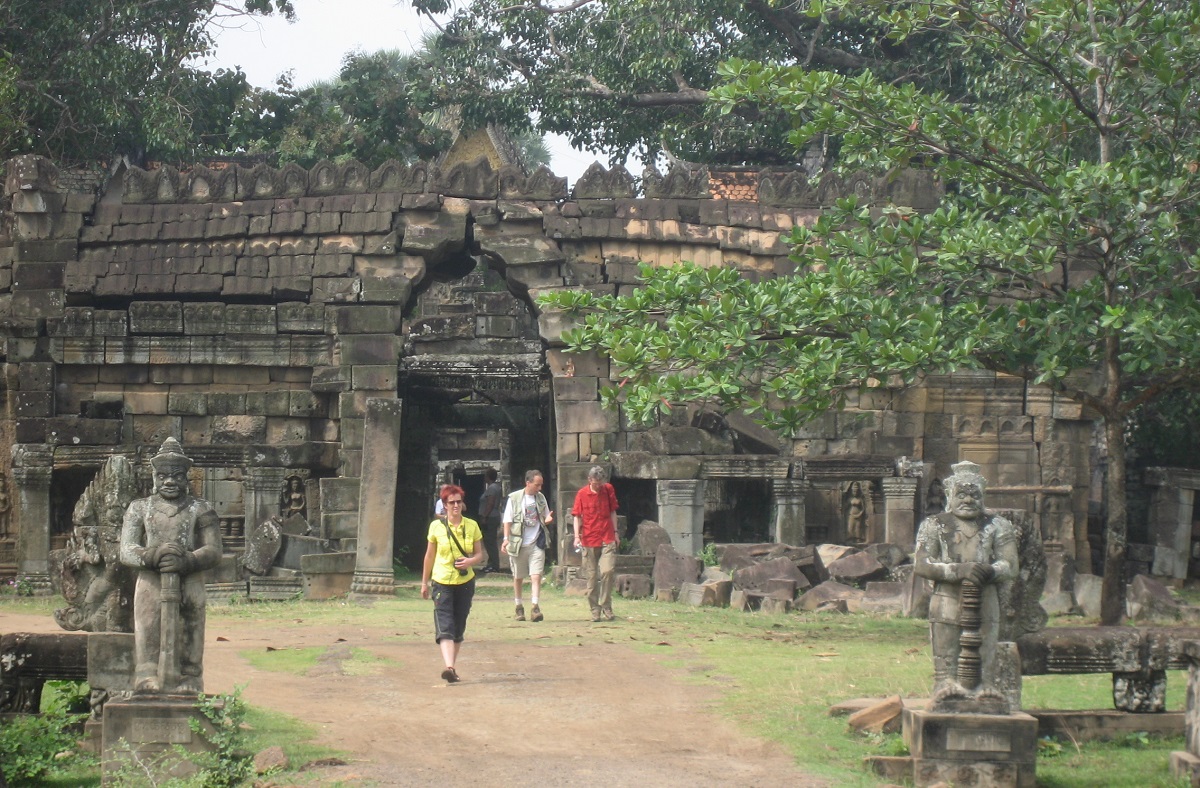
x=467, y=532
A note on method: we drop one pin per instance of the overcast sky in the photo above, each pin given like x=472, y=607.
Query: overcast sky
x=324, y=31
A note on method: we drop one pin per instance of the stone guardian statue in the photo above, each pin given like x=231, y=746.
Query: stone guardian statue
x=970, y=555
x=169, y=539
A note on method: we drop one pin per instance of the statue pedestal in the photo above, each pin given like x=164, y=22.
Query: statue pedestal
x=148, y=729
x=971, y=749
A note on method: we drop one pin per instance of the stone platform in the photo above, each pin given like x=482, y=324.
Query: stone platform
x=147, y=730
x=997, y=750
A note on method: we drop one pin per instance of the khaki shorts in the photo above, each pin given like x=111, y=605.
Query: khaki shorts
x=531, y=560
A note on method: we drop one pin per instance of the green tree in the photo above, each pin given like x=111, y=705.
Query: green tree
x=377, y=108
x=1065, y=250
x=634, y=75
x=81, y=80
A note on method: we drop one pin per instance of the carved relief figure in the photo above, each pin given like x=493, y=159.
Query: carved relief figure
x=97, y=586
x=969, y=553
x=292, y=500
x=854, y=509
x=169, y=538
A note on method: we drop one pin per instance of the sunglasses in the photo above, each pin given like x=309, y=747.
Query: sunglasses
x=452, y=503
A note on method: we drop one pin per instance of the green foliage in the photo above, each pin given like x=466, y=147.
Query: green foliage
x=36, y=745
x=229, y=763
x=634, y=75
x=378, y=107
x=709, y=555
x=18, y=586
x=82, y=81
x=1065, y=251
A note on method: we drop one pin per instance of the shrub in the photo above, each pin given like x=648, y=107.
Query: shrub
x=30, y=745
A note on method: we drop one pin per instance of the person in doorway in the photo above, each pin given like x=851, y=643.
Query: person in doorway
x=526, y=515
x=439, y=505
x=448, y=575
x=595, y=516
x=491, y=506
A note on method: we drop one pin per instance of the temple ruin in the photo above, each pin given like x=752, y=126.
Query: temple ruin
x=329, y=343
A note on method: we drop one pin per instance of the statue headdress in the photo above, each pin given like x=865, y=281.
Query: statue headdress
x=170, y=455
x=965, y=472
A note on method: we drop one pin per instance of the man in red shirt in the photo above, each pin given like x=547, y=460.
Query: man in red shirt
x=595, y=516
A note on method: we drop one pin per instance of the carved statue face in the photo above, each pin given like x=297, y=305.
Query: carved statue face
x=171, y=482
x=966, y=501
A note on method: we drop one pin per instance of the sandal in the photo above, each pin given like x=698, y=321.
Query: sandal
x=450, y=675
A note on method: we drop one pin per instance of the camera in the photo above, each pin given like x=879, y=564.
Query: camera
x=462, y=572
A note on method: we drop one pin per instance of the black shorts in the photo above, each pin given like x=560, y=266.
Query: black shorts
x=451, y=606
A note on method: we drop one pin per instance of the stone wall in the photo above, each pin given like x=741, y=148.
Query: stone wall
x=254, y=313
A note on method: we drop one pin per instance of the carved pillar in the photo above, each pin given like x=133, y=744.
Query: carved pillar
x=681, y=513
x=33, y=465
x=377, y=498
x=899, y=510
x=787, y=498
x=262, y=488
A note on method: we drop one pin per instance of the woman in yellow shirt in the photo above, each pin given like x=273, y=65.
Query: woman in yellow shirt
x=455, y=546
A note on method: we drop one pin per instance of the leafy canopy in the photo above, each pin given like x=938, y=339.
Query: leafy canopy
x=81, y=80
x=634, y=75
x=1064, y=250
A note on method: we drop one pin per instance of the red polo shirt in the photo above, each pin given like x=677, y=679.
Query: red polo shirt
x=594, y=510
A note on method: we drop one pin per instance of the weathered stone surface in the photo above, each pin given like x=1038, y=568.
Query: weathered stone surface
x=856, y=569
x=758, y=576
x=633, y=586
x=714, y=594
x=883, y=597
x=1057, y=603
x=1087, y=594
x=881, y=717
x=828, y=591
x=890, y=555
x=832, y=552
x=1024, y=594
x=1146, y=598
x=271, y=760
x=777, y=607
x=672, y=570
x=262, y=545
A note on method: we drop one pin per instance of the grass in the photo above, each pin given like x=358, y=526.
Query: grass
x=776, y=676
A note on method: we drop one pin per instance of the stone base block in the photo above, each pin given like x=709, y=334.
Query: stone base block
x=1105, y=724
x=327, y=585
x=276, y=588
x=1185, y=766
x=894, y=768
x=146, y=733
x=972, y=749
x=634, y=586
x=576, y=586
x=224, y=593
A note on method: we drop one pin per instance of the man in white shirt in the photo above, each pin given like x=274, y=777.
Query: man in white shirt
x=526, y=545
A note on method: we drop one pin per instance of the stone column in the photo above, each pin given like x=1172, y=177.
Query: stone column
x=899, y=510
x=262, y=488
x=33, y=465
x=681, y=513
x=377, y=498
x=787, y=498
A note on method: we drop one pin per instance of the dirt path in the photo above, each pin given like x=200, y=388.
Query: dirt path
x=527, y=712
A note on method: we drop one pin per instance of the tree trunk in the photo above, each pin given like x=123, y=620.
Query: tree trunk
x=1112, y=591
